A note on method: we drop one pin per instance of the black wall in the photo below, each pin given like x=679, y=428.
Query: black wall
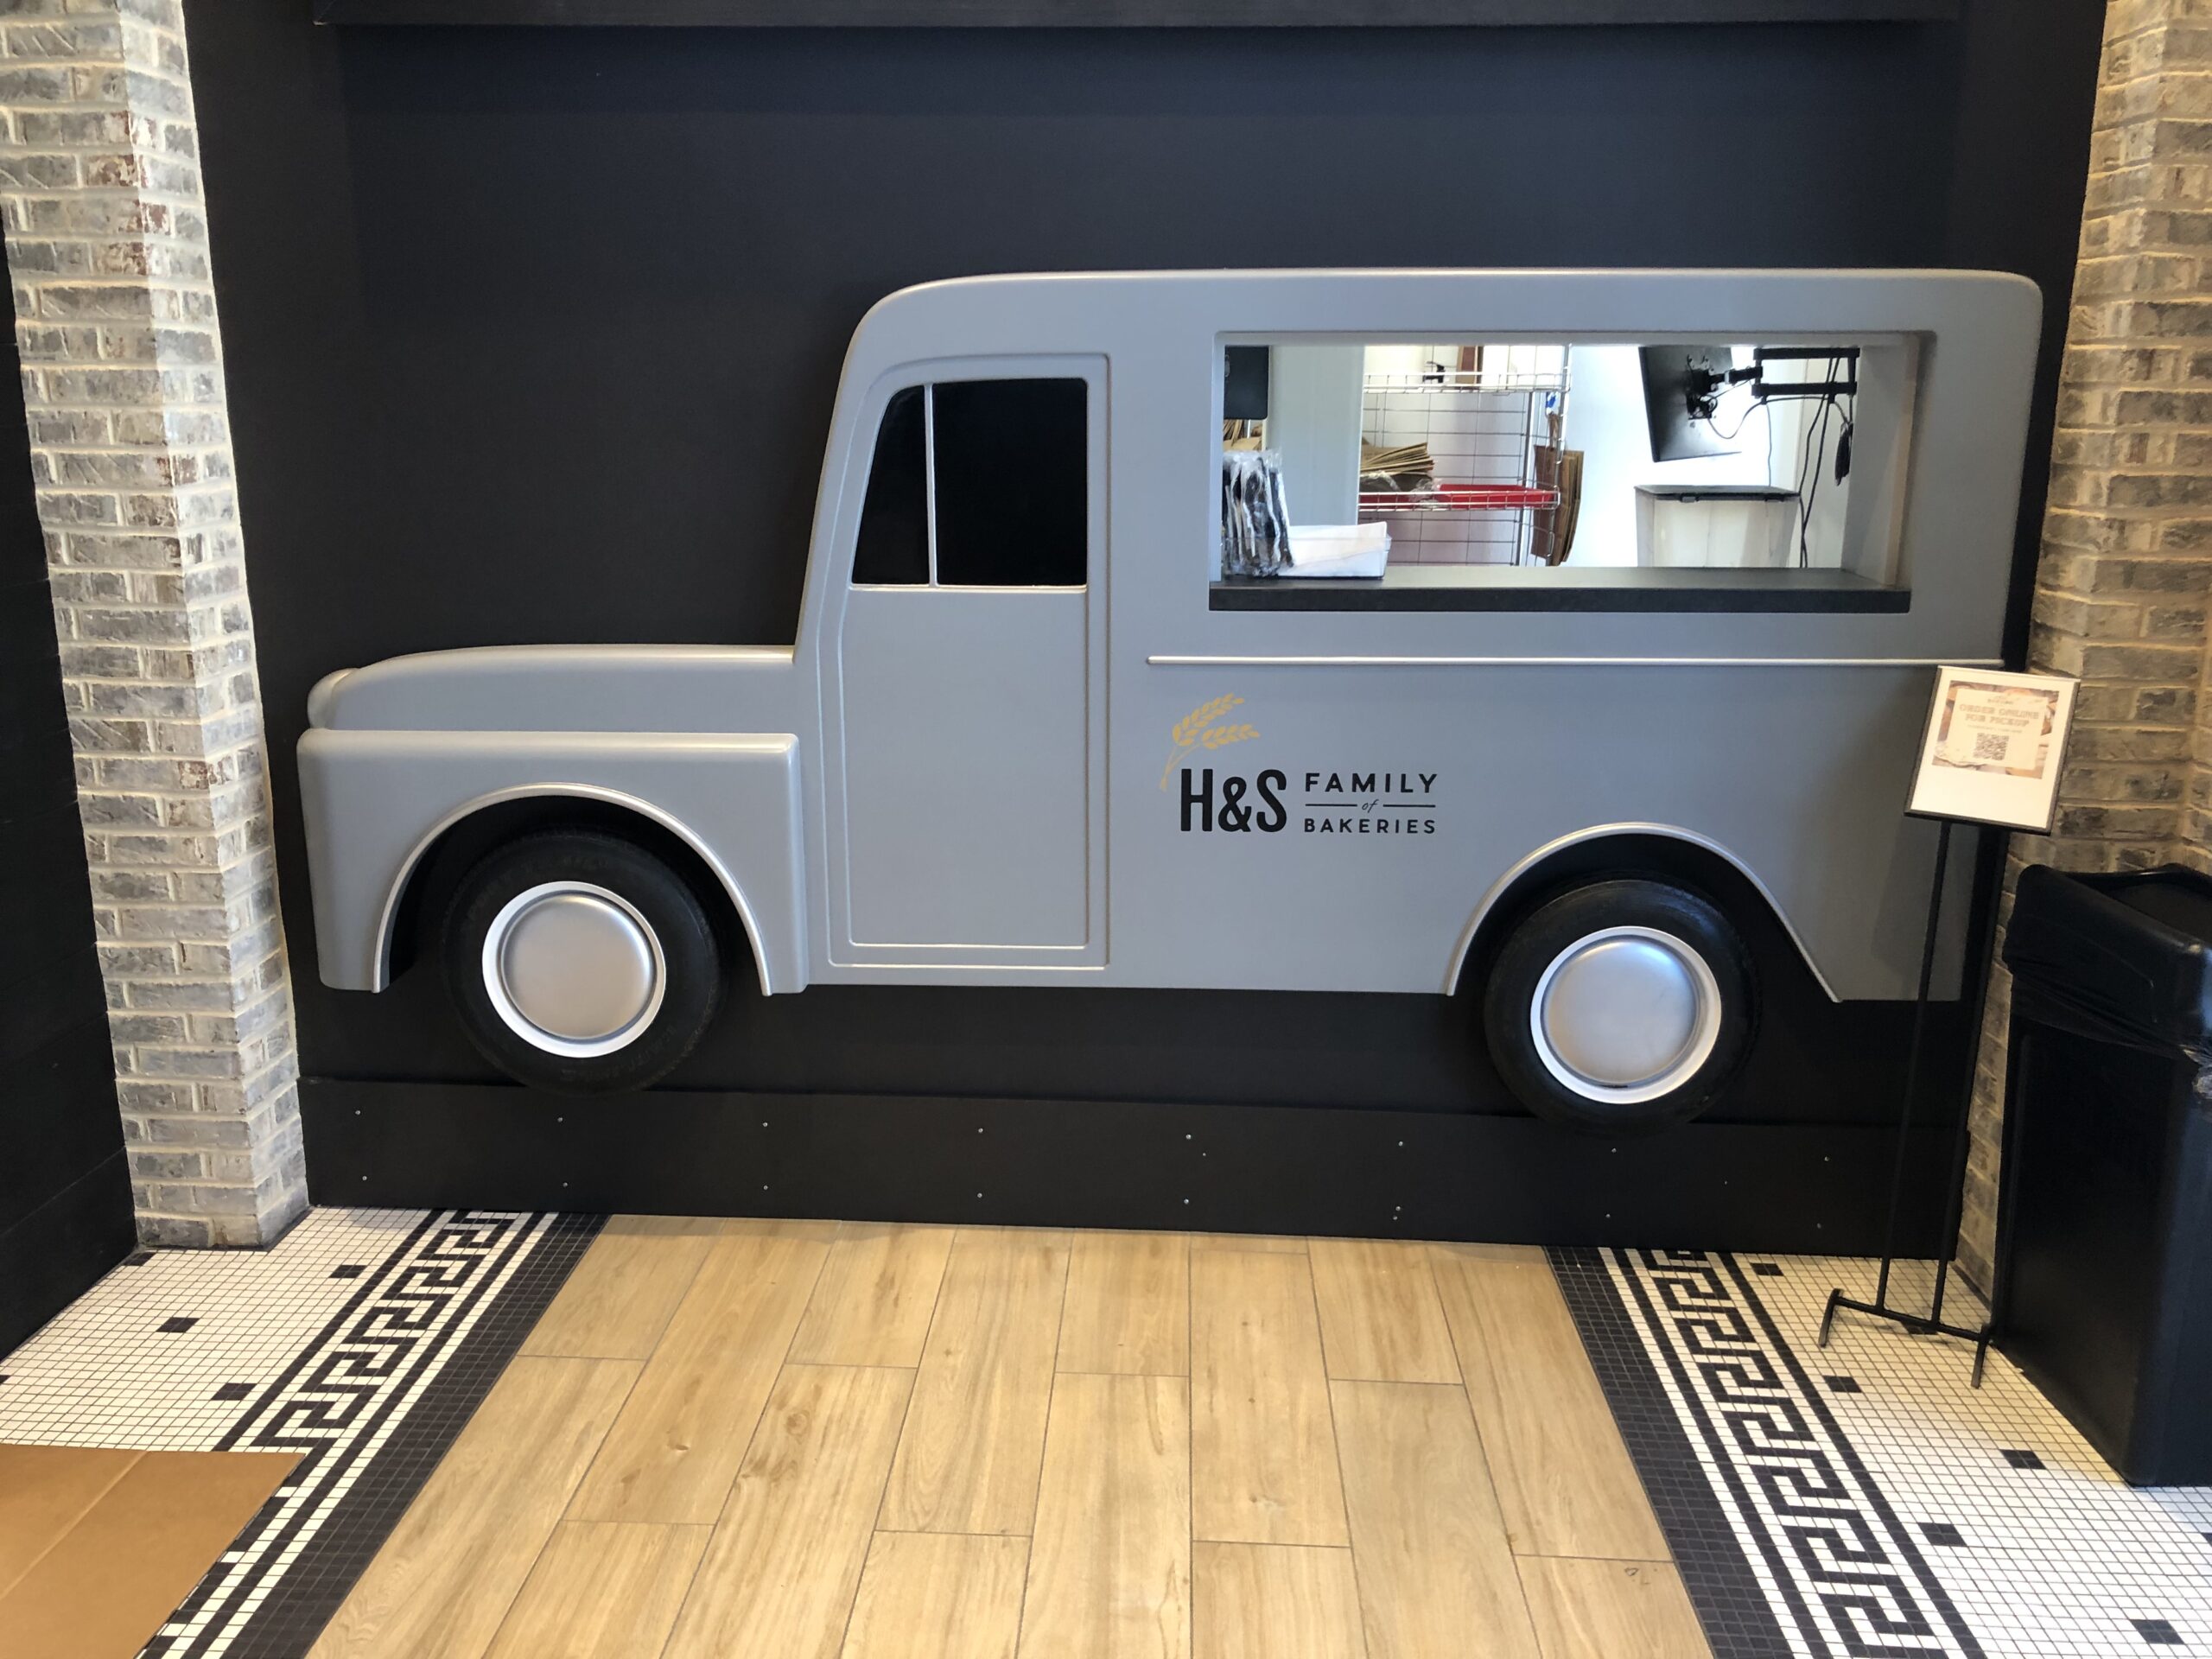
x=532, y=335
x=64, y=1194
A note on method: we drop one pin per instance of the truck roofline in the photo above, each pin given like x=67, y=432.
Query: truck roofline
x=1623, y=276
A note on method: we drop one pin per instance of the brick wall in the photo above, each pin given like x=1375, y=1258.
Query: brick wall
x=2122, y=590
x=123, y=383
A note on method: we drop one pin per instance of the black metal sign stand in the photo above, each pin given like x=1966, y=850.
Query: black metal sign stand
x=1930, y=1323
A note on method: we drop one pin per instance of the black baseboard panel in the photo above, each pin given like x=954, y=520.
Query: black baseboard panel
x=56, y=1253
x=1782, y=1187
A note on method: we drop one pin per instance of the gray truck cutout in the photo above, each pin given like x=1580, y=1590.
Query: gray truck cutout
x=1047, y=744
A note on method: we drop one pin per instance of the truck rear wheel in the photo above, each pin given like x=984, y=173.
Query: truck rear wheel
x=1620, y=1006
x=578, y=961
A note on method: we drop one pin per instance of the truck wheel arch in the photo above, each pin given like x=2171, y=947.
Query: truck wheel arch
x=1666, y=851
x=476, y=826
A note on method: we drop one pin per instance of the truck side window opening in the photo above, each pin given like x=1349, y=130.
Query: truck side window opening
x=1012, y=507
x=894, y=545
x=1755, y=474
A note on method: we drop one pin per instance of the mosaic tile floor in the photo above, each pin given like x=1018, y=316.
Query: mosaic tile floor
x=363, y=1341
x=1863, y=1499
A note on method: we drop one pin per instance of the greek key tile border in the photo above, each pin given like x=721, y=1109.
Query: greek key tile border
x=369, y=1406
x=1731, y=1603
x=1786, y=1542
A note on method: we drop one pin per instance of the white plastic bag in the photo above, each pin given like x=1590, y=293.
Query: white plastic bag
x=1340, y=550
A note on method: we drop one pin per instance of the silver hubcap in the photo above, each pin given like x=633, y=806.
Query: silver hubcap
x=1625, y=1015
x=574, y=969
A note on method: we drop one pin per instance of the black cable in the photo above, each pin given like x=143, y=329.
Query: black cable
x=1756, y=406
x=1760, y=402
x=1812, y=449
x=1808, y=480
x=1850, y=419
x=1815, y=450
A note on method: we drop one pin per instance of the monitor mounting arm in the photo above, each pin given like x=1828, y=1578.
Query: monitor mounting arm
x=1706, y=387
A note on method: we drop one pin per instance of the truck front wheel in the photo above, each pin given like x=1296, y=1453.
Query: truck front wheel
x=577, y=961
x=1620, y=1006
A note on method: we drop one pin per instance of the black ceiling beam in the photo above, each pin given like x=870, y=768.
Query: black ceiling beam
x=1124, y=13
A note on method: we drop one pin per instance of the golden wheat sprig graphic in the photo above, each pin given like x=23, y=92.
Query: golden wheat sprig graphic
x=1198, y=729
x=1187, y=729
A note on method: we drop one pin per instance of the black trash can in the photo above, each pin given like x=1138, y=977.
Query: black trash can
x=2104, y=1273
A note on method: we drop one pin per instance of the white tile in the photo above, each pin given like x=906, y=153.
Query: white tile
x=2058, y=1561
x=103, y=1372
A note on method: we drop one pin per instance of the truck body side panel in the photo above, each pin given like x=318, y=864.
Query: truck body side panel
x=1408, y=794
x=376, y=800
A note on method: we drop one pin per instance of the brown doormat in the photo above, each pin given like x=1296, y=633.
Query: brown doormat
x=97, y=1547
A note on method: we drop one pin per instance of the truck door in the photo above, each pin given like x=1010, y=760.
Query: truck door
x=967, y=718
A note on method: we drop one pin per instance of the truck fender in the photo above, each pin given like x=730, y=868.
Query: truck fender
x=388, y=918
x=1495, y=907
x=377, y=804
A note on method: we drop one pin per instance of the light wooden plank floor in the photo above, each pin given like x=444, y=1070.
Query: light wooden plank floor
x=874, y=1441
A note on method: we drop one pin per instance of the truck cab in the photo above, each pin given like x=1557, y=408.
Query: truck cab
x=1030, y=732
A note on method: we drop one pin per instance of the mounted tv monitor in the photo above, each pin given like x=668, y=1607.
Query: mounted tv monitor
x=1674, y=377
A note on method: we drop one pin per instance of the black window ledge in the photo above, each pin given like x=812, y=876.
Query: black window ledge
x=1532, y=587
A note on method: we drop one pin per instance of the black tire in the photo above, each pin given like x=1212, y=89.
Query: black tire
x=1670, y=920
x=689, y=961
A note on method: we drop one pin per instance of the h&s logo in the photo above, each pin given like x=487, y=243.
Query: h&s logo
x=1206, y=730
x=1232, y=812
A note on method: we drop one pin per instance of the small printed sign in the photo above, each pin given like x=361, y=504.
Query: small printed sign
x=1993, y=749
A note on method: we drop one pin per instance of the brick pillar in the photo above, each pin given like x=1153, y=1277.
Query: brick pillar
x=130, y=452
x=2122, y=589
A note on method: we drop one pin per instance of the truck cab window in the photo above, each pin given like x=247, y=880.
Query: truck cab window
x=1012, y=483
x=1012, y=487
x=893, y=546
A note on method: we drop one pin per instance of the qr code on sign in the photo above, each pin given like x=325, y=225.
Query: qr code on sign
x=1989, y=745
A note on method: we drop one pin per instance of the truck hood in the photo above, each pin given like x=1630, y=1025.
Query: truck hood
x=566, y=688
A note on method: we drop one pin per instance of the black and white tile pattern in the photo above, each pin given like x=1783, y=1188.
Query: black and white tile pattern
x=362, y=1342
x=1864, y=1499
